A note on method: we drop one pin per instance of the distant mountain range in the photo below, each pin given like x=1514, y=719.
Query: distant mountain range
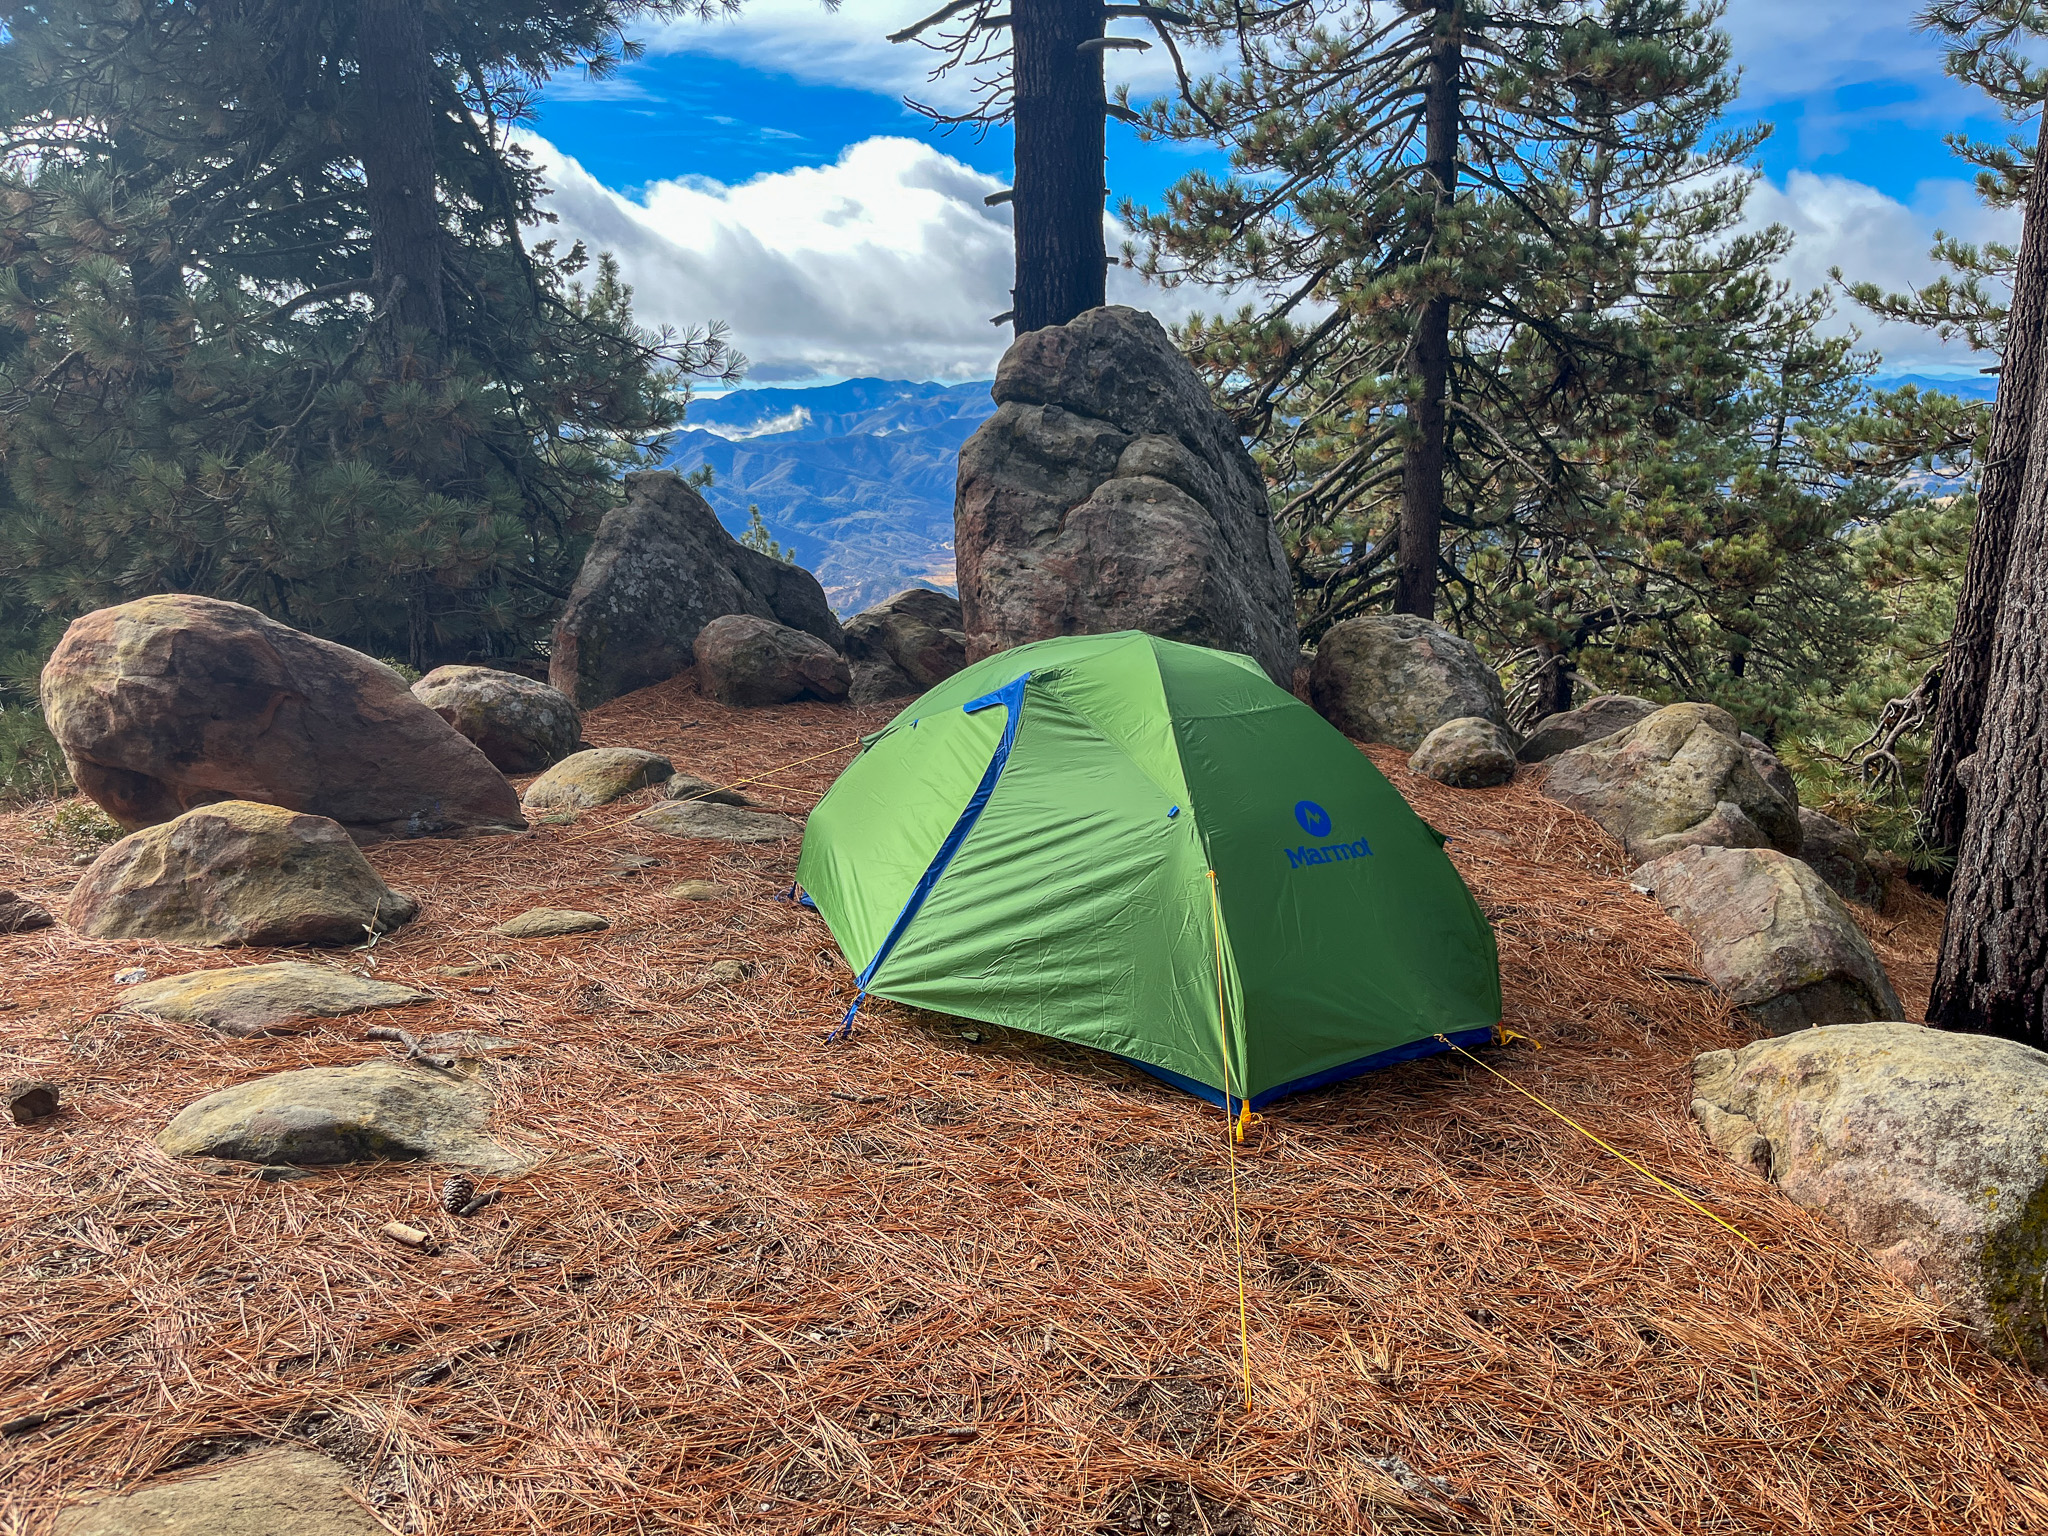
x=856, y=478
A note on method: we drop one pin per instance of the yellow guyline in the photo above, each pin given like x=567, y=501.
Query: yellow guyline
x=1233, y=1133
x=1608, y=1146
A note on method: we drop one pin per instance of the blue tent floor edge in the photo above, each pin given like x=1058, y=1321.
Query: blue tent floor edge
x=1428, y=1046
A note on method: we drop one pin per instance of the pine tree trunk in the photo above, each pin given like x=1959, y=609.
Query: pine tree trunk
x=1967, y=670
x=1422, y=457
x=1993, y=974
x=395, y=142
x=1058, y=198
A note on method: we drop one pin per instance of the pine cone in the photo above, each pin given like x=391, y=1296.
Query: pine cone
x=457, y=1192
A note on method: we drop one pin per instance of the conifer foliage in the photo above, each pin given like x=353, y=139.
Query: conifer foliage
x=1510, y=356
x=276, y=330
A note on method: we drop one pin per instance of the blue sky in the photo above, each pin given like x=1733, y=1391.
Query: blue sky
x=765, y=171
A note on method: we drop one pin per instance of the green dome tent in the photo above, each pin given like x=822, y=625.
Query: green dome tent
x=1077, y=836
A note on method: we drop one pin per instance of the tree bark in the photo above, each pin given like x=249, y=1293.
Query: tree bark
x=1422, y=455
x=1966, y=672
x=395, y=142
x=1057, y=105
x=1992, y=977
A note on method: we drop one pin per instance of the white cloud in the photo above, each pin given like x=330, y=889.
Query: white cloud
x=884, y=262
x=850, y=47
x=1874, y=238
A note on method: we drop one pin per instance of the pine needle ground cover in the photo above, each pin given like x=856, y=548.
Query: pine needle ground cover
x=921, y=1282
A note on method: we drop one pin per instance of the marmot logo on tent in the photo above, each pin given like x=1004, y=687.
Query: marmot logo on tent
x=1315, y=821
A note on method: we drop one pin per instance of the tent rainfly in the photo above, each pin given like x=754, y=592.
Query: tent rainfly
x=1079, y=837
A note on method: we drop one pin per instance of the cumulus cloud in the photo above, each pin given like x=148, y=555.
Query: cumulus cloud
x=885, y=262
x=1874, y=238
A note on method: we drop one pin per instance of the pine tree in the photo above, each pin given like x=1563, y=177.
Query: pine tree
x=1421, y=203
x=244, y=360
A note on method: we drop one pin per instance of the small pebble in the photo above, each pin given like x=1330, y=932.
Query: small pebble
x=971, y=1036
x=129, y=977
x=729, y=970
x=32, y=1101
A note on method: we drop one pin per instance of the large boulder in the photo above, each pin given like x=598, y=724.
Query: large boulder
x=905, y=645
x=250, y=1000
x=378, y=1110
x=1840, y=858
x=1677, y=778
x=1467, y=753
x=1107, y=492
x=661, y=567
x=745, y=660
x=1601, y=715
x=1929, y=1148
x=237, y=873
x=1772, y=936
x=522, y=726
x=168, y=703
x=596, y=776
x=1395, y=678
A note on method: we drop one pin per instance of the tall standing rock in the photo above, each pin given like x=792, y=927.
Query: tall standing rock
x=168, y=703
x=1108, y=492
x=663, y=567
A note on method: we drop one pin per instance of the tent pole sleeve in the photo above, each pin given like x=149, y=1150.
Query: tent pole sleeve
x=1011, y=698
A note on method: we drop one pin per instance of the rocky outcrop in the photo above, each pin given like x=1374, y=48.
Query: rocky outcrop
x=236, y=873
x=522, y=726
x=687, y=786
x=595, y=776
x=749, y=661
x=287, y=1492
x=1772, y=936
x=168, y=703
x=1395, y=678
x=1929, y=1148
x=379, y=1110
x=905, y=645
x=1677, y=778
x=1467, y=753
x=1601, y=715
x=661, y=568
x=1108, y=492
x=250, y=1000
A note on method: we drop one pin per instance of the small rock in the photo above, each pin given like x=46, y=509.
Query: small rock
x=729, y=971
x=700, y=890
x=237, y=873
x=32, y=1101
x=687, y=786
x=250, y=1000
x=1600, y=716
x=20, y=915
x=1773, y=937
x=549, y=923
x=716, y=823
x=132, y=976
x=1468, y=753
x=971, y=1036
x=595, y=776
x=271, y=1493
x=1930, y=1149
x=1839, y=857
x=748, y=661
x=521, y=725
x=320, y=1115
x=1395, y=678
